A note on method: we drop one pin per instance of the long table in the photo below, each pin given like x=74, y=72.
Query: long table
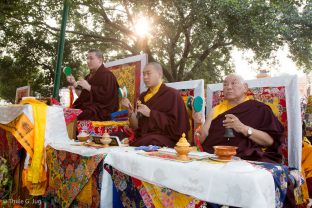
x=236, y=183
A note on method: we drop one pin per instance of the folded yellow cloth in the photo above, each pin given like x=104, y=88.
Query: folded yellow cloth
x=36, y=171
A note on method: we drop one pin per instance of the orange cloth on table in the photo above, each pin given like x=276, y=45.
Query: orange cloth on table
x=31, y=137
x=306, y=163
x=151, y=92
x=222, y=107
x=23, y=131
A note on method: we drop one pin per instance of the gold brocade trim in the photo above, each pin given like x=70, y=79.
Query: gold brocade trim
x=110, y=123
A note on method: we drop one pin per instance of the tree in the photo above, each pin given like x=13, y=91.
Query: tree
x=191, y=39
x=28, y=52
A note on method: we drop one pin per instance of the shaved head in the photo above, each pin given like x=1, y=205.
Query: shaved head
x=152, y=74
x=237, y=77
x=234, y=88
x=156, y=66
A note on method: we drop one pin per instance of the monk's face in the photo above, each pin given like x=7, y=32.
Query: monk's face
x=151, y=76
x=234, y=88
x=93, y=61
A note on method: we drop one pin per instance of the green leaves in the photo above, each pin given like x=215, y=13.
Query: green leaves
x=191, y=39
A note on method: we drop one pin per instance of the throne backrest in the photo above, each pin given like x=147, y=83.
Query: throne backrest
x=190, y=88
x=282, y=95
x=129, y=73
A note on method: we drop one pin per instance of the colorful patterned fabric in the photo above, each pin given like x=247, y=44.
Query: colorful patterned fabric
x=22, y=129
x=154, y=196
x=272, y=96
x=69, y=174
x=98, y=130
x=128, y=75
x=129, y=192
x=280, y=175
x=9, y=148
x=136, y=193
x=71, y=114
x=5, y=178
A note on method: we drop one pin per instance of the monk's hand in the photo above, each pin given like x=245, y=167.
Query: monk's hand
x=197, y=117
x=71, y=80
x=125, y=102
x=84, y=84
x=144, y=110
x=231, y=121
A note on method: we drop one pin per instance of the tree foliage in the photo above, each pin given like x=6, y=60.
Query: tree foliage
x=191, y=39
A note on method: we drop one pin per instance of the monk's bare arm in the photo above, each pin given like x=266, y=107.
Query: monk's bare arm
x=203, y=132
x=260, y=137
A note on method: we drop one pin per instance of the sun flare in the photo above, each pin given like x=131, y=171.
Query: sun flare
x=142, y=26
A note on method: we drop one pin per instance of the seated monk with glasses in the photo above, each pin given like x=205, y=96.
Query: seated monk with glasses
x=257, y=131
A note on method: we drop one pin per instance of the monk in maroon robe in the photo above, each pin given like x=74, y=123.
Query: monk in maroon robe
x=258, y=133
x=99, y=95
x=161, y=117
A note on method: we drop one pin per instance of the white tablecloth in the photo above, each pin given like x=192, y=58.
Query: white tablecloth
x=236, y=183
x=55, y=131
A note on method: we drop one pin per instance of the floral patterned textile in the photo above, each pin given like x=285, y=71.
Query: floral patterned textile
x=128, y=75
x=121, y=131
x=280, y=175
x=136, y=193
x=9, y=148
x=71, y=114
x=155, y=196
x=69, y=173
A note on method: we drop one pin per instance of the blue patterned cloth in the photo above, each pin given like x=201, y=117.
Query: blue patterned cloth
x=149, y=148
x=280, y=175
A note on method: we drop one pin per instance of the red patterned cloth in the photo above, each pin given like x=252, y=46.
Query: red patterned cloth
x=71, y=114
x=9, y=148
x=120, y=131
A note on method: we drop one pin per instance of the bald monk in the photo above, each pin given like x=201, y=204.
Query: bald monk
x=254, y=125
x=99, y=95
x=162, y=114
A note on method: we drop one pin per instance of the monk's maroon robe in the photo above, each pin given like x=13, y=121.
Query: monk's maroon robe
x=256, y=115
x=168, y=119
x=102, y=100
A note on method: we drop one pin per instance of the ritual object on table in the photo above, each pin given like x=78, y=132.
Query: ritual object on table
x=83, y=136
x=106, y=140
x=183, y=148
x=225, y=152
x=196, y=103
